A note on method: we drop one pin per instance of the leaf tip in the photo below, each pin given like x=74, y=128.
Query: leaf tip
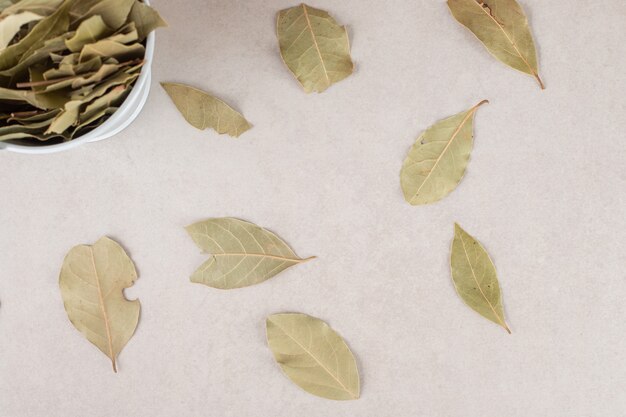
x=481, y=103
x=543, y=87
x=506, y=327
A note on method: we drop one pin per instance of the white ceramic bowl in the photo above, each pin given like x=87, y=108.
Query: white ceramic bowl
x=118, y=121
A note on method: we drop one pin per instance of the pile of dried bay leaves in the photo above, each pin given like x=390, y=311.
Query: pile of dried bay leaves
x=67, y=65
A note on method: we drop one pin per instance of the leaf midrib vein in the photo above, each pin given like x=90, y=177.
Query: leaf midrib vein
x=261, y=255
x=319, y=53
x=105, y=317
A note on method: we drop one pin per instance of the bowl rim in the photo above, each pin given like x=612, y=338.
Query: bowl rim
x=124, y=111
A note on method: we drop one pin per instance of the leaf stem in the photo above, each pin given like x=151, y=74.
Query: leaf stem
x=543, y=87
x=310, y=258
x=480, y=104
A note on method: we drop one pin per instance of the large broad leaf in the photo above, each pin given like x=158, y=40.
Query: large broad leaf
x=437, y=161
x=475, y=278
x=242, y=253
x=313, y=356
x=92, y=282
x=314, y=47
x=202, y=110
x=502, y=27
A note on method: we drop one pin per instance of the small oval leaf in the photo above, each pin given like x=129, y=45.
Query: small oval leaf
x=92, y=282
x=242, y=253
x=314, y=47
x=202, y=110
x=502, y=27
x=475, y=277
x=313, y=356
x=436, y=163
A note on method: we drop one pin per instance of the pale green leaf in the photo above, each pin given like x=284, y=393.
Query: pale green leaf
x=10, y=25
x=242, y=253
x=502, y=27
x=89, y=31
x=113, y=12
x=33, y=127
x=437, y=161
x=26, y=96
x=92, y=282
x=109, y=48
x=314, y=47
x=67, y=118
x=313, y=356
x=69, y=70
x=50, y=46
x=40, y=7
x=54, y=25
x=475, y=277
x=202, y=110
x=146, y=19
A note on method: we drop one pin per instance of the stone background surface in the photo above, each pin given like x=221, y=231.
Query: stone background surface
x=545, y=192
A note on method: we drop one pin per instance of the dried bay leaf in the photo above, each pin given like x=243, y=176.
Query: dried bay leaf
x=313, y=356
x=54, y=25
x=67, y=118
x=10, y=25
x=314, y=47
x=89, y=31
x=109, y=48
x=146, y=19
x=202, y=110
x=436, y=163
x=49, y=47
x=19, y=95
x=31, y=128
x=475, y=277
x=69, y=70
x=40, y=7
x=34, y=116
x=111, y=99
x=81, y=60
x=502, y=27
x=113, y=12
x=92, y=282
x=242, y=253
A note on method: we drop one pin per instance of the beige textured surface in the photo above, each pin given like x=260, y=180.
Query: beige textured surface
x=545, y=192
